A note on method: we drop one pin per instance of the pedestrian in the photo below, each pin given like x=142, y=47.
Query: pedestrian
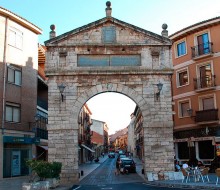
x=103, y=154
x=97, y=159
x=117, y=164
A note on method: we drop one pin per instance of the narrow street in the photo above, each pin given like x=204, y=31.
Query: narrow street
x=104, y=174
x=103, y=178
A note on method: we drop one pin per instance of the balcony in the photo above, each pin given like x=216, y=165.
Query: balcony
x=41, y=133
x=207, y=116
x=202, y=50
x=204, y=83
x=42, y=103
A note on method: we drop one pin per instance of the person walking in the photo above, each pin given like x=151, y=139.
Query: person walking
x=117, y=164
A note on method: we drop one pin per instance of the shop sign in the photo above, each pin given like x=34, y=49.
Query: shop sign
x=21, y=140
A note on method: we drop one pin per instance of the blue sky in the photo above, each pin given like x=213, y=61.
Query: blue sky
x=147, y=14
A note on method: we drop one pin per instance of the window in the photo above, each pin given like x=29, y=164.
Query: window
x=109, y=34
x=205, y=75
x=182, y=77
x=15, y=38
x=13, y=112
x=181, y=49
x=183, y=107
x=14, y=75
x=208, y=103
x=203, y=44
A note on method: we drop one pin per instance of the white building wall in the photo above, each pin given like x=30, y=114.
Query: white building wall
x=97, y=126
x=131, y=142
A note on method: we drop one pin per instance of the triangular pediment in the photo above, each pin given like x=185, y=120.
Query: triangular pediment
x=108, y=31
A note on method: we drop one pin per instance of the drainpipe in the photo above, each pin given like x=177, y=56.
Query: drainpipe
x=4, y=75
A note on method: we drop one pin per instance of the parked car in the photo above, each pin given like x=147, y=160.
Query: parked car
x=128, y=164
x=122, y=156
x=111, y=155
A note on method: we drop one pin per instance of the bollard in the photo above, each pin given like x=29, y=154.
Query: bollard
x=82, y=173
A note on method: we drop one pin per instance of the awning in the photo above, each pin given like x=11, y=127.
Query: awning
x=44, y=147
x=84, y=146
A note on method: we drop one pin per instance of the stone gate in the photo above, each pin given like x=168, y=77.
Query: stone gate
x=109, y=55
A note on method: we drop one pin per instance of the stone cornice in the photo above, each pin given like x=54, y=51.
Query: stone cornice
x=110, y=71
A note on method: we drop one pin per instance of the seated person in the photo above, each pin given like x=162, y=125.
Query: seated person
x=200, y=164
x=177, y=166
x=185, y=165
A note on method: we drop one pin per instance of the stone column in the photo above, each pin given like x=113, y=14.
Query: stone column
x=63, y=147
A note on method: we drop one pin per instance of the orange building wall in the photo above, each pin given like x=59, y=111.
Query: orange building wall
x=214, y=32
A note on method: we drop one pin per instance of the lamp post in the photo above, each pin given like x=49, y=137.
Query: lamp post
x=61, y=89
x=159, y=88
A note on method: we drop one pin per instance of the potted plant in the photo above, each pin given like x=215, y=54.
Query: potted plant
x=46, y=171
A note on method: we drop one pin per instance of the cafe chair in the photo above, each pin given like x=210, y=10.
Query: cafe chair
x=186, y=175
x=217, y=171
x=205, y=173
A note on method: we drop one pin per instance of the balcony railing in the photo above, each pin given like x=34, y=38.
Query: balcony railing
x=206, y=115
x=204, y=82
x=202, y=49
x=42, y=133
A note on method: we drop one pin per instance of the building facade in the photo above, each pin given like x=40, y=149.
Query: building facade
x=100, y=136
x=138, y=133
x=196, y=91
x=131, y=136
x=18, y=81
x=85, y=148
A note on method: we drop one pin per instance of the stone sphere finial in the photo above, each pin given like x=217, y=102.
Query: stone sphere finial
x=108, y=4
x=164, y=26
x=52, y=27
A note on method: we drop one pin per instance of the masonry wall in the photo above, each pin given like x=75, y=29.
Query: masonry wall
x=136, y=82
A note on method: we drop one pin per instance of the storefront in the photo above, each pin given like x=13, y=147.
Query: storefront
x=15, y=153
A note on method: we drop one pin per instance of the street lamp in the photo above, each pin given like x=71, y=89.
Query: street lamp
x=159, y=88
x=61, y=89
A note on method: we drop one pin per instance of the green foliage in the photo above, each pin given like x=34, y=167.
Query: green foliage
x=45, y=169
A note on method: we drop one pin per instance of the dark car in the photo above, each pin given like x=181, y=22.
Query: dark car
x=111, y=155
x=122, y=156
x=128, y=164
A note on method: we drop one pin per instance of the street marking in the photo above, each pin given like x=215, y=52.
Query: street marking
x=107, y=188
x=76, y=188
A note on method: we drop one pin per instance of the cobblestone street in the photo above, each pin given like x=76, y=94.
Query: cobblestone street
x=105, y=174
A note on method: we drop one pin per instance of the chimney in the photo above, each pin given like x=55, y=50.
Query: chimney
x=52, y=32
x=164, y=32
x=108, y=9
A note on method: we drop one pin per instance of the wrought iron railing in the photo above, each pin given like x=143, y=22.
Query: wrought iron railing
x=42, y=133
x=204, y=82
x=202, y=49
x=206, y=115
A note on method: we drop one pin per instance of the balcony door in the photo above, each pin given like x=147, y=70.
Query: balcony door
x=208, y=103
x=205, y=73
x=203, y=44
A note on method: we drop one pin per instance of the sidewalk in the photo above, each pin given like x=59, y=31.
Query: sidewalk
x=15, y=183
x=178, y=183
